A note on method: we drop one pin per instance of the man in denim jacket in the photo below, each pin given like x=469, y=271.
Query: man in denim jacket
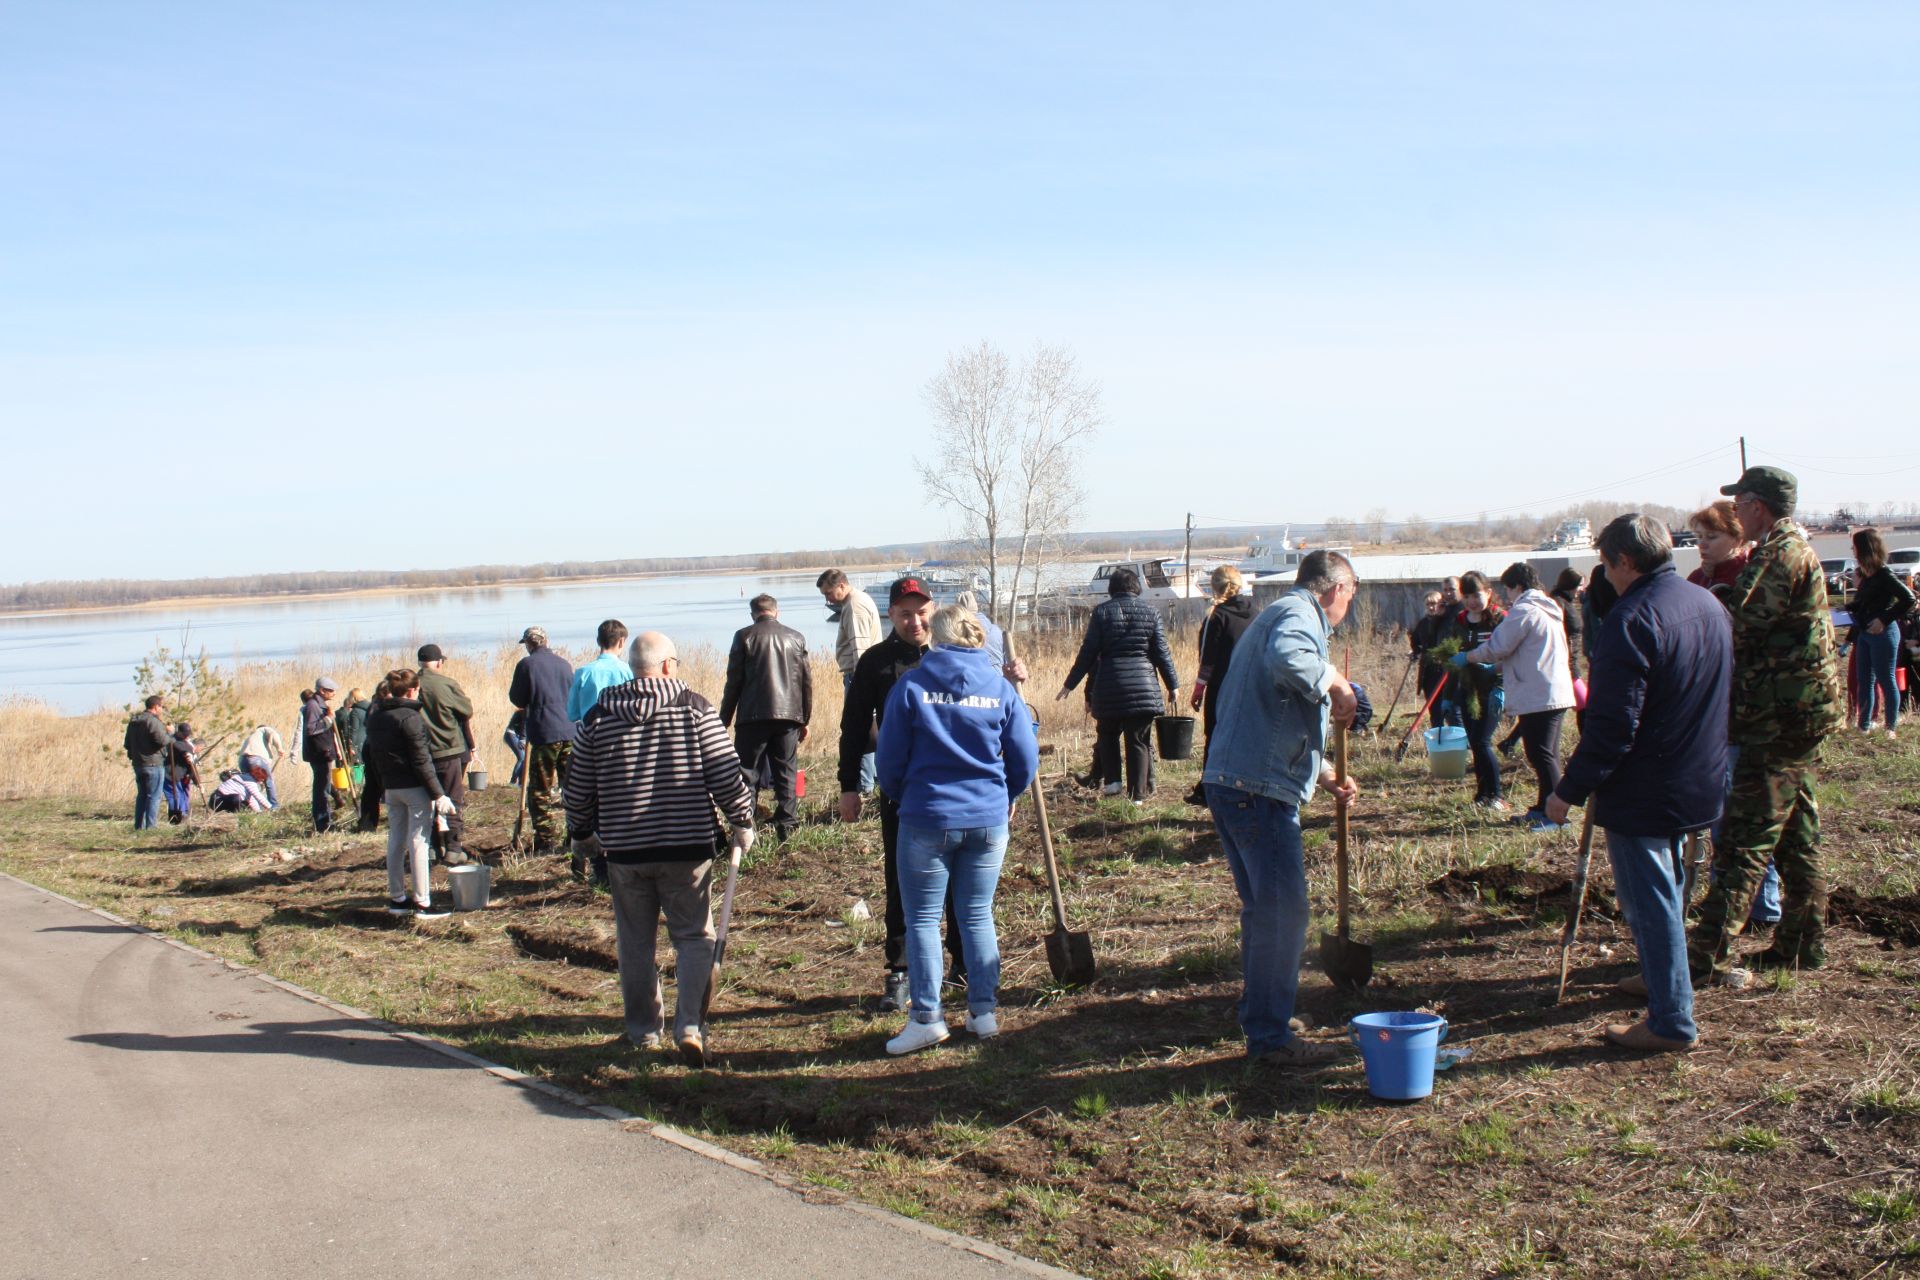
x=1281, y=695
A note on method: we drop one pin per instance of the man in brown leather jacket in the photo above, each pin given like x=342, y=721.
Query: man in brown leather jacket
x=770, y=693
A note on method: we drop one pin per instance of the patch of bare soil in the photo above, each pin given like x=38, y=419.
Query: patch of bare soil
x=1897, y=919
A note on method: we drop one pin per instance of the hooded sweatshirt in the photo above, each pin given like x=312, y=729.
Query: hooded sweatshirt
x=1530, y=645
x=957, y=745
x=650, y=764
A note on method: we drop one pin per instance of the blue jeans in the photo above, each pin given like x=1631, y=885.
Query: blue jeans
x=147, y=781
x=970, y=860
x=866, y=761
x=1480, y=731
x=1876, y=656
x=1648, y=874
x=1262, y=841
x=247, y=764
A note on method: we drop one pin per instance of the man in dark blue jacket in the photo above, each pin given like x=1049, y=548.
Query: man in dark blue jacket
x=541, y=682
x=1653, y=756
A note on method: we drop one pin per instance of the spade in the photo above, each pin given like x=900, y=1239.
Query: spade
x=1348, y=963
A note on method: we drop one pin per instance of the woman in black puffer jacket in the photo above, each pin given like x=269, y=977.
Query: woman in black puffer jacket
x=396, y=750
x=1230, y=615
x=1124, y=646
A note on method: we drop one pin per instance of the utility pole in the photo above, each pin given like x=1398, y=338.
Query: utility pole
x=1743, y=454
x=1188, y=560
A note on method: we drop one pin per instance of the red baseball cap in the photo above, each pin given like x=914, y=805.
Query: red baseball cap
x=907, y=587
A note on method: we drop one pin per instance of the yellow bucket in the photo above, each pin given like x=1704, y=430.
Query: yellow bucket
x=341, y=778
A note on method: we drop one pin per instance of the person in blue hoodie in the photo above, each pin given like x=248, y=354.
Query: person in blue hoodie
x=957, y=747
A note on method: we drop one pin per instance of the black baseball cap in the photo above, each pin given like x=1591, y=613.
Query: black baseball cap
x=430, y=653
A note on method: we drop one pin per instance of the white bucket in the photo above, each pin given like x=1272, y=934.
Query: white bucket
x=1447, y=751
x=470, y=886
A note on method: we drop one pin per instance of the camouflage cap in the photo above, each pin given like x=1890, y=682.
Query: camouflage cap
x=1777, y=488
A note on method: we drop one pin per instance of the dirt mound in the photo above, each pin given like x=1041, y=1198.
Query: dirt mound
x=1504, y=882
x=1895, y=918
x=575, y=946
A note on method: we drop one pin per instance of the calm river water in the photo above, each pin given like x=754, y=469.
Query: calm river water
x=81, y=661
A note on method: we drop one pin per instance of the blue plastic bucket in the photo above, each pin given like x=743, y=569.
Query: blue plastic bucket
x=1399, y=1050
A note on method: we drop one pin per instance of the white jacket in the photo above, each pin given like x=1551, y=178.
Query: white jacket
x=1531, y=648
x=859, y=629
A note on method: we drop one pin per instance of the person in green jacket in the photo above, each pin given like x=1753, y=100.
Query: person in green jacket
x=448, y=712
x=351, y=721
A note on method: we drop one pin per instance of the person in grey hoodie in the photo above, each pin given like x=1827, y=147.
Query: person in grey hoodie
x=1530, y=647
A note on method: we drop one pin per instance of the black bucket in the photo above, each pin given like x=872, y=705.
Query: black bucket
x=1176, y=736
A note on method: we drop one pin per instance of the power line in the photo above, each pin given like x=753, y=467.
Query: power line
x=1667, y=469
x=1828, y=471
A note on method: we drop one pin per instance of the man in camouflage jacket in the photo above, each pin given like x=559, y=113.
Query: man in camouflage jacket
x=1787, y=697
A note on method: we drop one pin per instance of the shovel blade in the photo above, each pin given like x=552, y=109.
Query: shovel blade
x=1070, y=956
x=1348, y=963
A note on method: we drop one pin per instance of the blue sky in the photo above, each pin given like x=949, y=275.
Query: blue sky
x=358, y=286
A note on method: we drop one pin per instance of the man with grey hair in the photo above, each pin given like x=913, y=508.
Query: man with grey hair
x=651, y=765
x=1282, y=694
x=1652, y=760
x=858, y=622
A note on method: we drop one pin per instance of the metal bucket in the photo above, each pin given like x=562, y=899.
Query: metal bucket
x=476, y=779
x=470, y=886
x=1175, y=734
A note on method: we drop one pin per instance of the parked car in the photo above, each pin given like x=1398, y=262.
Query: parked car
x=1683, y=537
x=1840, y=574
x=1903, y=563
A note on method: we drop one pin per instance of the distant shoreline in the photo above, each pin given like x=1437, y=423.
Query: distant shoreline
x=273, y=597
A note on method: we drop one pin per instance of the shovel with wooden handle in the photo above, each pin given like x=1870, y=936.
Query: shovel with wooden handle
x=1400, y=752
x=719, y=948
x=1395, y=704
x=1069, y=954
x=1572, y=930
x=1348, y=963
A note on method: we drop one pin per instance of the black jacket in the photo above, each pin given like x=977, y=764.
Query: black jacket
x=873, y=679
x=541, y=682
x=146, y=741
x=1881, y=597
x=396, y=747
x=1653, y=751
x=768, y=677
x=1426, y=633
x=1219, y=633
x=1123, y=648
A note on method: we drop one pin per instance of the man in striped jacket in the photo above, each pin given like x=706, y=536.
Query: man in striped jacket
x=651, y=764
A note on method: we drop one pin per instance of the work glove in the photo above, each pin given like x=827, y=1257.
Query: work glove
x=1460, y=659
x=444, y=806
x=742, y=840
x=589, y=847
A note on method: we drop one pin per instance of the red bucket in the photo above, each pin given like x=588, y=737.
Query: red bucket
x=799, y=784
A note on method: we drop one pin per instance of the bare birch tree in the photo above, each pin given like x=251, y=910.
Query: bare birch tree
x=974, y=401
x=1060, y=412
x=1008, y=443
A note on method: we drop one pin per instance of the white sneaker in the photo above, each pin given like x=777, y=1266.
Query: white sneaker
x=918, y=1035
x=1112, y=789
x=986, y=1026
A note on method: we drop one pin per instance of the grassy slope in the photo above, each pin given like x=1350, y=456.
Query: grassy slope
x=1116, y=1130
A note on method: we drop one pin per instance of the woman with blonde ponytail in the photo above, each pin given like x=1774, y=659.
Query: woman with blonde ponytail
x=1220, y=630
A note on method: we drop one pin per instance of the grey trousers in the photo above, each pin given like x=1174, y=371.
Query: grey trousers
x=642, y=892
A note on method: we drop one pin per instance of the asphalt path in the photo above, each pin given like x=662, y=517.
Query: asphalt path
x=164, y=1115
